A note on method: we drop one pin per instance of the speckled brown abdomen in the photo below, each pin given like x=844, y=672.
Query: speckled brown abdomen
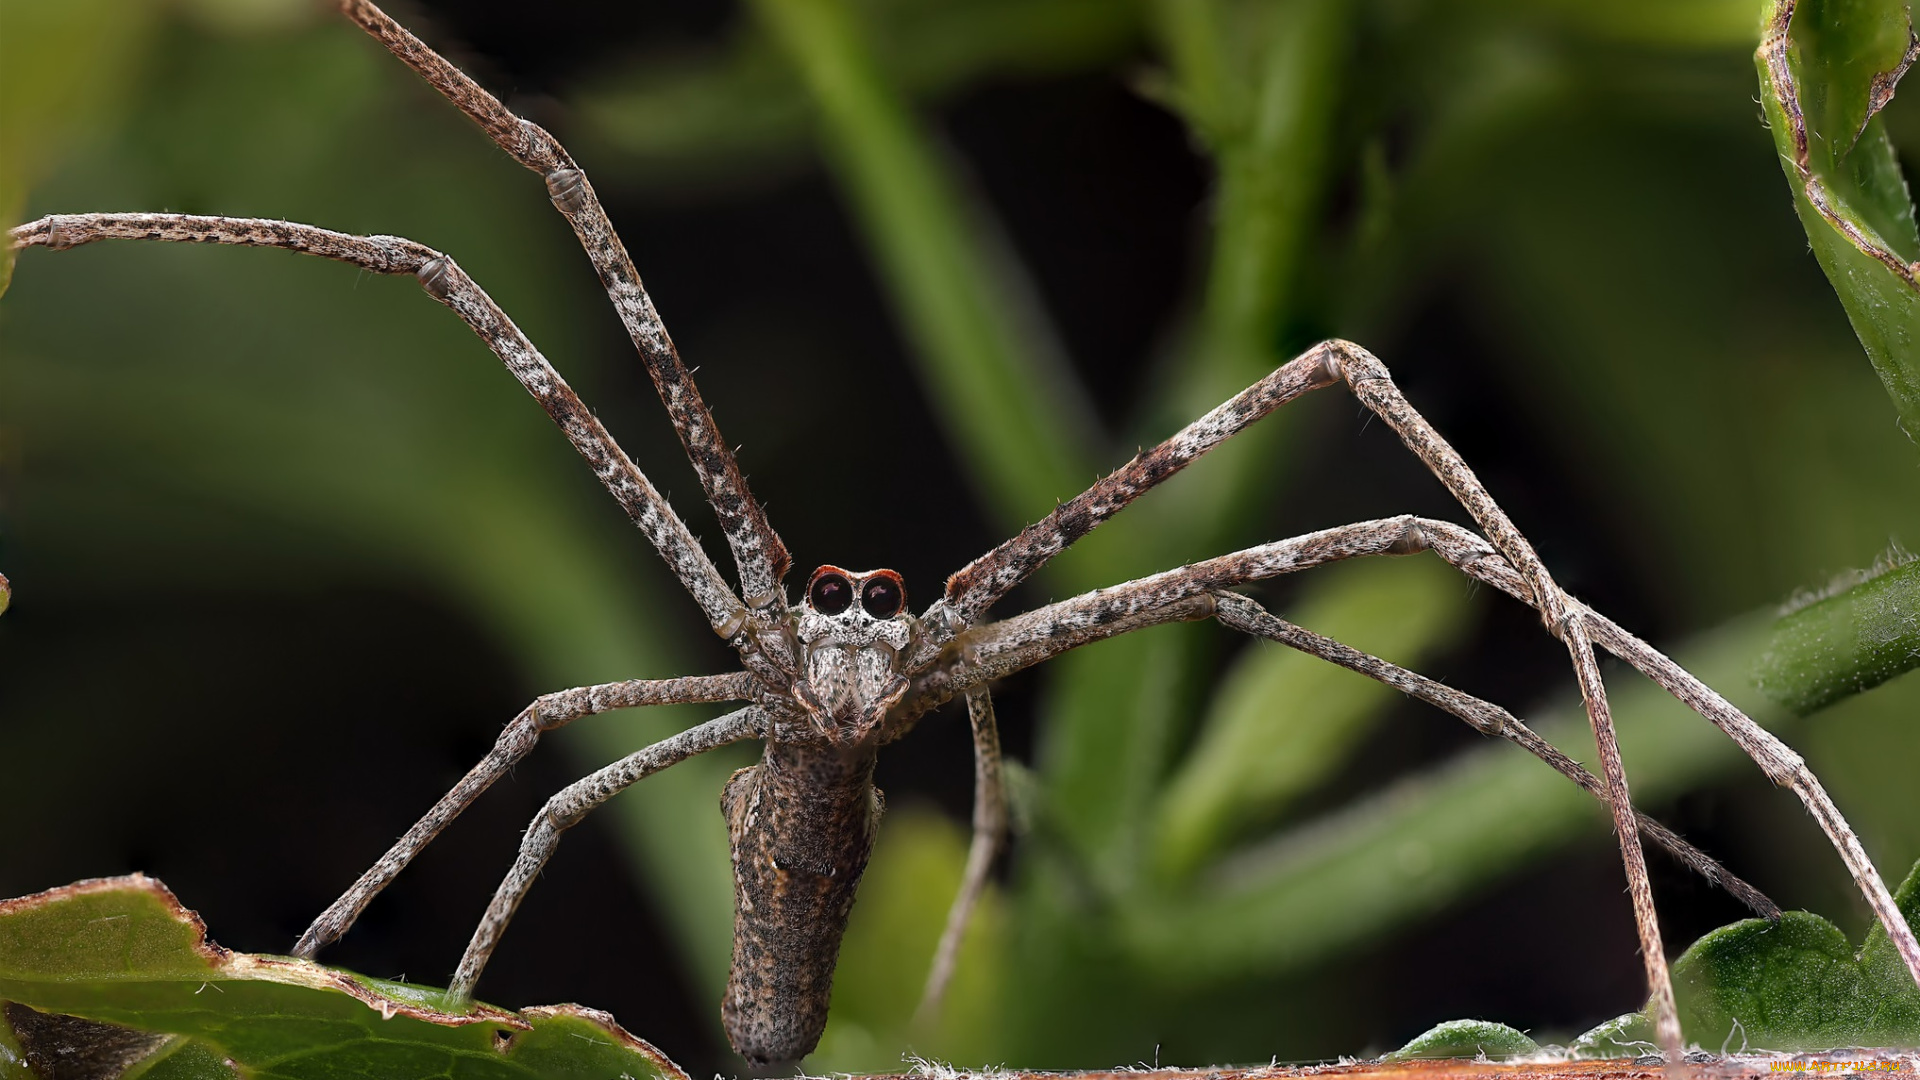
x=802, y=824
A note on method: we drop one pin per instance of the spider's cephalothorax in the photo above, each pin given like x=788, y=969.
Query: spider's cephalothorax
x=802, y=821
x=854, y=631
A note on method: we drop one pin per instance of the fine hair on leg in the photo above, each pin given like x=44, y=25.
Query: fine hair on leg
x=973, y=589
x=758, y=553
x=565, y=809
x=989, y=832
x=1000, y=649
x=516, y=741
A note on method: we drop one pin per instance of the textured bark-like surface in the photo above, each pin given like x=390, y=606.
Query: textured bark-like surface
x=802, y=824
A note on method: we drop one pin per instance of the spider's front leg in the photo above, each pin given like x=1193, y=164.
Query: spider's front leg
x=1509, y=561
x=758, y=632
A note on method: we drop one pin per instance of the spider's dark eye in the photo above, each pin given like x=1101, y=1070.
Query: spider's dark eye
x=882, y=597
x=830, y=594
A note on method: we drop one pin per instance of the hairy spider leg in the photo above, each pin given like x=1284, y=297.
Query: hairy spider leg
x=758, y=552
x=978, y=585
x=572, y=803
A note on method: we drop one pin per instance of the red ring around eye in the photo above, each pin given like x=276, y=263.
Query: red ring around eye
x=883, y=595
x=829, y=593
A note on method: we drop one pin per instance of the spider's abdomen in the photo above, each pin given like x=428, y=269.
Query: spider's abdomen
x=801, y=824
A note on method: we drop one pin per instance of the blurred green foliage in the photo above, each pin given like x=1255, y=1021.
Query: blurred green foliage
x=1581, y=190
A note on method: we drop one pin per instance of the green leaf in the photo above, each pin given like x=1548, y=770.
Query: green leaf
x=124, y=952
x=1799, y=985
x=1465, y=1038
x=1824, y=75
x=1623, y=1036
x=722, y=115
x=1282, y=720
x=1845, y=643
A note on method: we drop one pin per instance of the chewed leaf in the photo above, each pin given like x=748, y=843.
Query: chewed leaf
x=1826, y=69
x=111, y=974
x=1466, y=1038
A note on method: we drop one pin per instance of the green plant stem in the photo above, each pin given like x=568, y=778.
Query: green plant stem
x=1844, y=644
x=1007, y=402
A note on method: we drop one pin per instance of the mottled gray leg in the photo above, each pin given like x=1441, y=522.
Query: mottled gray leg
x=1243, y=614
x=982, y=582
x=989, y=832
x=565, y=810
x=1369, y=380
x=446, y=282
x=516, y=741
x=1477, y=558
x=1000, y=649
x=758, y=552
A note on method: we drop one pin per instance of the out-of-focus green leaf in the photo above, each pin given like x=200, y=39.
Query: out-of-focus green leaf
x=1799, y=985
x=1005, y=396
x=1823, y=77
x=1843, y=644
x=1465, y=1038
x=48, y=94
x=916, y=870
x=1281, y=720
x=1430, y=839
x=1260, y=83
x=1673, y=23
x=724, y=112
x=123, y=951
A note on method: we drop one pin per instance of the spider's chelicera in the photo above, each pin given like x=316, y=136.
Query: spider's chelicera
x=824, y=685
x=852, y=654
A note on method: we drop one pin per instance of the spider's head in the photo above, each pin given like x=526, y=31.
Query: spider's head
x=853, y=631
x=854, y=598
x=848, y=607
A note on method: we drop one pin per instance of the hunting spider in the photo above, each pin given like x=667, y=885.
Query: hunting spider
x=824, y=683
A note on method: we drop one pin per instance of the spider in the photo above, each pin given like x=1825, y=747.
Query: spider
x=827, y=681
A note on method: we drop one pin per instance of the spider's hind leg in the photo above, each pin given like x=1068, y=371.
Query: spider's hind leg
x=989, y=833
x=1243, y=614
